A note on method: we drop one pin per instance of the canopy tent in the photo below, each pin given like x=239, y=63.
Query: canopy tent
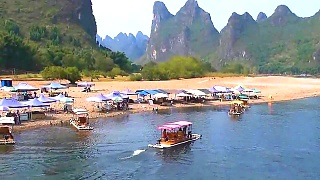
x=196, y=92
x=114, y=94
x=256, y=90
x=85, y=84
x=206, y=91
x=44, y=99
x=22, y=87
x=8, y=89
x=214, y=90
x=98, y=98
x=222, y=89
x=243, y=96
x=4, y=108
x=128, y=92
x=161, y=95
x=66, y=100
x=239, y=88
x=117, y=99
x=35, y=103
x=58, y=97
x=169, y=126
x=182, y=94
x=12, y=103
x=55, y=85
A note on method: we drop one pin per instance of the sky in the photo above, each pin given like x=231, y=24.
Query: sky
x=131, y=16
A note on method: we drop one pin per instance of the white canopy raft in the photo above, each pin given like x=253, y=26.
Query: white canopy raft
x=80, y=119
x=174, y=134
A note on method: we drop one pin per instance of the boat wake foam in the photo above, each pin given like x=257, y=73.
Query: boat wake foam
x=135, y=153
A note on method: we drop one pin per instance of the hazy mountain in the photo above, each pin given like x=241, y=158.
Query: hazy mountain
x=133, y=46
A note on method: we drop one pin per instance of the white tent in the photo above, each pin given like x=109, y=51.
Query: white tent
x=196, y=92
x=161, y=95
x=182, y=94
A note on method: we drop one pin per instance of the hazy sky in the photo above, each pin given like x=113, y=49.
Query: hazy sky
x=131, y=16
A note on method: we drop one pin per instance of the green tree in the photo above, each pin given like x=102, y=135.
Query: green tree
x=72, y=74
x=53, y=72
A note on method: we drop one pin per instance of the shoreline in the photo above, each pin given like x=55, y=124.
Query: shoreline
x=61, y=119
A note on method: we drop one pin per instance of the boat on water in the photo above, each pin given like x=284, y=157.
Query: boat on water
x=80, y=119
x=236, y=108
x=175, y=134
x=6, y=126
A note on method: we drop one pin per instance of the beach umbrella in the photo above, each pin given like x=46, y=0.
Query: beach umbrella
x=44, y=99
x=4, y=108
x=35, y=103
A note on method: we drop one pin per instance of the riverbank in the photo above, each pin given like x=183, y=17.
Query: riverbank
x=280, y=88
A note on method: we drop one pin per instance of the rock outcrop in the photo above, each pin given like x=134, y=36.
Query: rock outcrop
x=261, y=17
x=231, y=33
x=186, y=33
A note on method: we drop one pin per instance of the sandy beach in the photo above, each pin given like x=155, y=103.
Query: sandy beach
x=280, y=88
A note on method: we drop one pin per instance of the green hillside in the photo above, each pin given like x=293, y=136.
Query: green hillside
x=37, y=34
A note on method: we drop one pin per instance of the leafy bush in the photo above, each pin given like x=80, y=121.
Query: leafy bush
x=72, y=74
x=177, y=67
x=53, y=72
x=135, y=77
x=11, y=26
x=56, y=72
x=37, y=33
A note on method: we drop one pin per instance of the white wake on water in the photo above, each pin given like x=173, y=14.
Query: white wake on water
x=135, y=153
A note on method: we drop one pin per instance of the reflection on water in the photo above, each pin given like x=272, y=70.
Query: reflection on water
x=175, y=153
x=280, y=141
x=6, y=149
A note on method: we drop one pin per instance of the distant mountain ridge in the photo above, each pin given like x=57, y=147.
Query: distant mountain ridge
x=133, y=46
x=279, y=43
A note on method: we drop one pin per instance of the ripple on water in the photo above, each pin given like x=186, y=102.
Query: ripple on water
x=280, y=141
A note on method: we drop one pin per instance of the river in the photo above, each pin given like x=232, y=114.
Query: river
x=269, y=141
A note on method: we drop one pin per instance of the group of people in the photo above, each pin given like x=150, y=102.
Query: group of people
x=181, y=134
x=16, y=116
x=236, y=108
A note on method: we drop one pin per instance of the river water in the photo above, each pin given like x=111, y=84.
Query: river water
x=269, y=141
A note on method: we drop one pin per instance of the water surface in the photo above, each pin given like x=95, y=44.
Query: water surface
x=269, y=141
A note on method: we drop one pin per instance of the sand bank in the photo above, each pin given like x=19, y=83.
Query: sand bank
x=280, y=88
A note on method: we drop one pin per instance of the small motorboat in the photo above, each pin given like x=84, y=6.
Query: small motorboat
x=175, y=134
x=80, y=119
x=6, y=137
